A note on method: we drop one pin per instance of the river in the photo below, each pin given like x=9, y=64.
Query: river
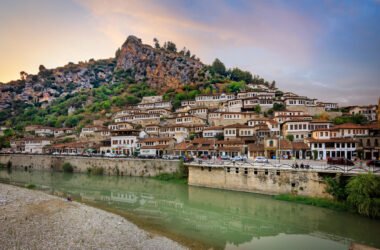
x=208, y=218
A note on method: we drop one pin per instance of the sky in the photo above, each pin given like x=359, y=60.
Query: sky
x=323, y=49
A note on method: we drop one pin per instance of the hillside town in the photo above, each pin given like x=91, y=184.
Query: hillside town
x=260, y=121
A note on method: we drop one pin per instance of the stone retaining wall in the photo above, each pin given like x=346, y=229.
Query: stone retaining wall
x=112, y=166
x=264, y=181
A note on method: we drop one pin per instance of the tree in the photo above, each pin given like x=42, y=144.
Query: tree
x=273, y=85
x=240, y=75
x=258, y=109
x=156, y=43
x=188, y=54
x=117, y=53
x=218, y=67
x=364, y=194
x=278, y=107
x=336, y=187
x=41, y=68
x=170, y=46
x=290, y=137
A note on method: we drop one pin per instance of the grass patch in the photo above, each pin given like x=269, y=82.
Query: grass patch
x=174, y=178
x=318, y=202
x=30, y=186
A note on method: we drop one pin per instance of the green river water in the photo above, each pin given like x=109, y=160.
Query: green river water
x=208, y=218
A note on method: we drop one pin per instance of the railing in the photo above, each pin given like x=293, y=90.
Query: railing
x=287, y=166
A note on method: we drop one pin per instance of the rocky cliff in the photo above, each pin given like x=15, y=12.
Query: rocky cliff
x=135, y=62
x=158, y=67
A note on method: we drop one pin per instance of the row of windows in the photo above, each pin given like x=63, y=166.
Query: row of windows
x=121, y=142
x=246, y=170
x=337, y=145
x=298, y=126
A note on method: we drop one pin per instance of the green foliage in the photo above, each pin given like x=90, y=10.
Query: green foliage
x=319, y=202
x=290, y=137
x=336, y=187
x=220, y=137
x=315, y=154
x=218, y=67
x=258, y=109
x=67, y=167
x=234, y=87
x=364, y=194
x=240, y=75
x=357, y=119
x=30, y=186
x=170, y=46
x=278, y=107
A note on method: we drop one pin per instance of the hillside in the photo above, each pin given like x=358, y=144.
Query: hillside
x=78, y=93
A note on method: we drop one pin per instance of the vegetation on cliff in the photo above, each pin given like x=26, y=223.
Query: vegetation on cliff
x=359, y=194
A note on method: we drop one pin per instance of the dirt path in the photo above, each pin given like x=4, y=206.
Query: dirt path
x=35, y=220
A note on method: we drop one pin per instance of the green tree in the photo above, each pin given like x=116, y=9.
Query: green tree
x=290, y=137
x=156, y=43
x=218, y=67
x=278, y=107
x=170, y=46
x=240, y=75
x=336, y=187
x=258, y=109
x=364, y=194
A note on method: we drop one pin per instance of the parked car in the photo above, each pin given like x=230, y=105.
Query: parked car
x=373, y=163
x=239, y=158
x=171, y=157
x=225, y=157
x=109, y=155
x=340, y=161
x=261, y=159
x=56, y=153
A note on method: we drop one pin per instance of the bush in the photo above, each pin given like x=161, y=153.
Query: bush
x=30, y=186
x=318, y=202
x=67, y=167
x=336, y=187
x=364, y=194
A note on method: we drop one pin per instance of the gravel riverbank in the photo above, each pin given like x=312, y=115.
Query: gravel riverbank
x=35, y=220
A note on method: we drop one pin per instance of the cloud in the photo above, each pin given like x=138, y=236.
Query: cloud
x=258, y=24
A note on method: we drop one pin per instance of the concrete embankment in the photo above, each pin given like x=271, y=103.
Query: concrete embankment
x=111, y=166
x=259, y=180
x=35, y=220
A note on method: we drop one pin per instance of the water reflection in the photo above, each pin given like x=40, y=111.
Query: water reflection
x=217, y=218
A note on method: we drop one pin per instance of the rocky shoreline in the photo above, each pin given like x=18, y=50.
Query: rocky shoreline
x=35, y=220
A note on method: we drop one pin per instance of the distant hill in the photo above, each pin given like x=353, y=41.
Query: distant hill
x=77, y=93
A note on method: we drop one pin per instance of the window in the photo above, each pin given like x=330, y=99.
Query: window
x=246, y=171
x=237, y=170
x=255, y=171
x=266, y=171
x=270, y=143
x=228, y=169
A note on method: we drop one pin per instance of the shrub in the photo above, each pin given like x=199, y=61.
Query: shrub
x=336, y=187
x=67, y=167
x=364, y=194
x=30, y=186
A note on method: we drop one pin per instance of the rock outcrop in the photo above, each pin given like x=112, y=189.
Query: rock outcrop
x=158, y=67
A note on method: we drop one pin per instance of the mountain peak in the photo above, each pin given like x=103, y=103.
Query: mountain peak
x=159, y=67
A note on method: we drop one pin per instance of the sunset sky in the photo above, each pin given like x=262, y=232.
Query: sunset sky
x=329, y=50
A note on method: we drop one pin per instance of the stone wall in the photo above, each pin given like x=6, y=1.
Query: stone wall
x=259, y=180
x=130, y=167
